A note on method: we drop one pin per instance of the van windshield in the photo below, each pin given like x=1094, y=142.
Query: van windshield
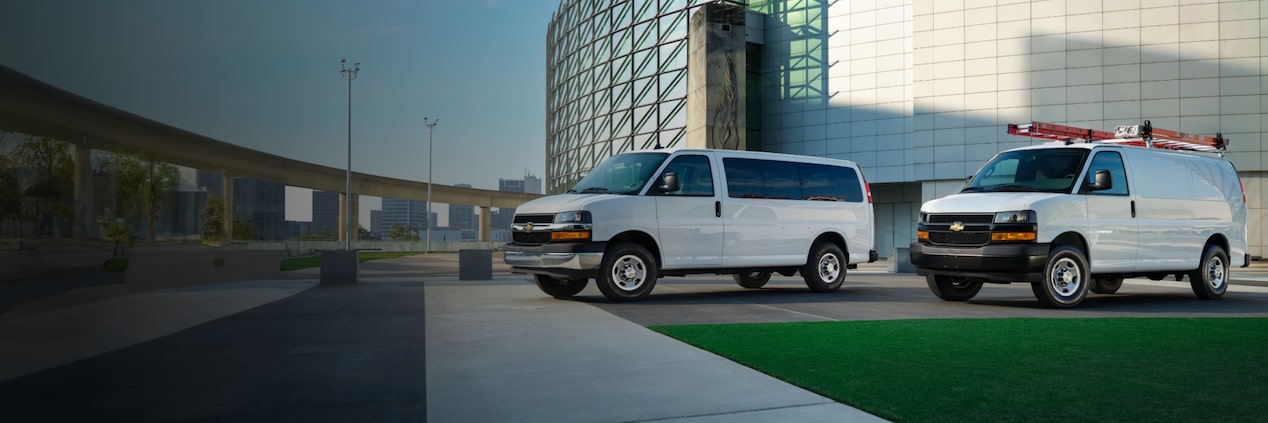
x=1041, y=170
x=624, y=174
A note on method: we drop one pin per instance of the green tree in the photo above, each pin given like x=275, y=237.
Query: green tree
x=363, y=233
x=242, y=230
x=50, y=161
x=213, y=232
x=10, y=186
x=143, y=183
x=403, y=233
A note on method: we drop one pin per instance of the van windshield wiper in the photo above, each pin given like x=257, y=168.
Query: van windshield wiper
x=595, y=190
x=973, y=189
x=1014, y=187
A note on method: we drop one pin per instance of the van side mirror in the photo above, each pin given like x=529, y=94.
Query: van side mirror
x=669, y=183
x=1101, y=181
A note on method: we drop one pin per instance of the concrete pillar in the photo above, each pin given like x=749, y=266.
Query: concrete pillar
x=486, y=223
x=84, y=223
x=716, y=56
x=226, y=189
x=356, y=217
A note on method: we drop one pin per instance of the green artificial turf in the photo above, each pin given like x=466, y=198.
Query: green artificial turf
x=990, y=370
x=296, y=263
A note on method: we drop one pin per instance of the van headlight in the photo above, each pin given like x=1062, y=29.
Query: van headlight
x=580, y=216
x=1020, y=216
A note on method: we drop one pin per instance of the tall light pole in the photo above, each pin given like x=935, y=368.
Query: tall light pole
x=349, y=75
x=431, y=126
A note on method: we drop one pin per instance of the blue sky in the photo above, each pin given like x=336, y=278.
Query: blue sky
x=265, y=74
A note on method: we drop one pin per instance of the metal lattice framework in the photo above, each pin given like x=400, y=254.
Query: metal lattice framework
x=616, y=81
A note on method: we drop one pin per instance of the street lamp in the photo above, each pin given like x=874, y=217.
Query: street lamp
x=349, y=75
x=431, y=126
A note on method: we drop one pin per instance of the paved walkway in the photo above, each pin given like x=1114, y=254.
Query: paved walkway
x=409, y=343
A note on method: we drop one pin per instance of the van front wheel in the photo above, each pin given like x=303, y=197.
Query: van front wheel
x=1210, y=279
x=628, y=272
x=560, y=287
x=1065, y=278
x=825, y=268
x=953, y=288
x=751, y=280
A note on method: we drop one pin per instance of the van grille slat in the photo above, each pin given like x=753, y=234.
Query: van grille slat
x=962, y=218
x=960, y=238
x=534, y=218
x=530, y=237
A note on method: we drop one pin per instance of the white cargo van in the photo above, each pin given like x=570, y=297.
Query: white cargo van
x=1070, y=218
x=642, y=215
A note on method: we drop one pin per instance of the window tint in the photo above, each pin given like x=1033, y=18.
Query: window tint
x=830, y=183
x=743, y=178
x=1112, y=162
x=780, y=181
x=751, y=178
x=694, y=174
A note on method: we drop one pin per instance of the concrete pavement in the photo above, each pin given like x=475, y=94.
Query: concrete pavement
x=410, y=343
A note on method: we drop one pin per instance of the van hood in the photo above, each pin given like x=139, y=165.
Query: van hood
x=560, y=203
x=987, y=202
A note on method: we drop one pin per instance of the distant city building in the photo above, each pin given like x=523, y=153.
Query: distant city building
x=325, y=212
x=461, y=217
x=502, y=218
x=262, y=204
x=376, y=219
x=297, y=229
x=404, y=212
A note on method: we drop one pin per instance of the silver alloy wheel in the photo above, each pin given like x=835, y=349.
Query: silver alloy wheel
x=629, y=273
x=1065, y=278
x=1215, y=273
x=829, y=268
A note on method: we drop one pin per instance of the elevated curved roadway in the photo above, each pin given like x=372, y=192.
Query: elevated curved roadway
x=33, y=107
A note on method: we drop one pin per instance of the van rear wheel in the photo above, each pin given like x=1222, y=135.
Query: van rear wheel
x=628, y=272
x=751, y=280
x=825, y=268
x=951, y=288
x=1106, y=285
x=1065, y=278
x=1210, y=279
x=560, y=287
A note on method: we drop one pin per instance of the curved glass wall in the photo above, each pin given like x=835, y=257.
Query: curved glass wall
x=616, y=81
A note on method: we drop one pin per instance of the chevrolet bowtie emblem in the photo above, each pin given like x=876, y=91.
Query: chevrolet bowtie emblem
x=528, y=227
x=957, y=227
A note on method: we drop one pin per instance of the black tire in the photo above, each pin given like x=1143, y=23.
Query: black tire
x=1065, y=278
x=628, y=272
x=953, y=288
x=1210, y=279
x=751, y=280
x=560, y=287
x=824, y=270
x=1106, y=285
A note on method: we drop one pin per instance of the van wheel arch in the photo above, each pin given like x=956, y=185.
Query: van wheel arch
x=640, y=238
x=832, y=238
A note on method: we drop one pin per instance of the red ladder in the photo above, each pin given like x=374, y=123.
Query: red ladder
x=1138, y=135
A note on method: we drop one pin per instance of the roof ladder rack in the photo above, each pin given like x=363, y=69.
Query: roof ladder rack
x=1144, y=135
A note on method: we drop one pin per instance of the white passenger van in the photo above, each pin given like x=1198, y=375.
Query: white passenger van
x=1079, y=217
x=642, y=215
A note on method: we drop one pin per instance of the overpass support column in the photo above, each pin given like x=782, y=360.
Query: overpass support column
x=226, y=190
x=343, y=216
x=486, y=225
x=84, y=224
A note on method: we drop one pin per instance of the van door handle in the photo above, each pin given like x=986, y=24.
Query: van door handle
x=1133, y=209
x=717, y=209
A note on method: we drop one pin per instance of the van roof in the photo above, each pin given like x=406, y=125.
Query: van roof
x=1092, y=145
x=745, y=153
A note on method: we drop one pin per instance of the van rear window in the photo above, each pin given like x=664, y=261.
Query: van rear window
x=778, y=180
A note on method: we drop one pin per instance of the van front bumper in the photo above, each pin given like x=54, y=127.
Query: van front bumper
x=571, y=259
x=994, y=263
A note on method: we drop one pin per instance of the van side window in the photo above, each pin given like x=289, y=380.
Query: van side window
x=694, y=174
x=781, y=180
x=743, y=178
x=1113, y=162
x=830, y=183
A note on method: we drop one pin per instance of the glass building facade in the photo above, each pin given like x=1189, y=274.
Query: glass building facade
x=917, y=92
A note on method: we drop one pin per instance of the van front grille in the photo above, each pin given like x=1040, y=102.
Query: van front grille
x=530, y=237
x=534, y=218
x=959, y=238
x=962, y=218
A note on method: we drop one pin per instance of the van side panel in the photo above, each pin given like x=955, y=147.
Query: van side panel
x=1172, y=223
